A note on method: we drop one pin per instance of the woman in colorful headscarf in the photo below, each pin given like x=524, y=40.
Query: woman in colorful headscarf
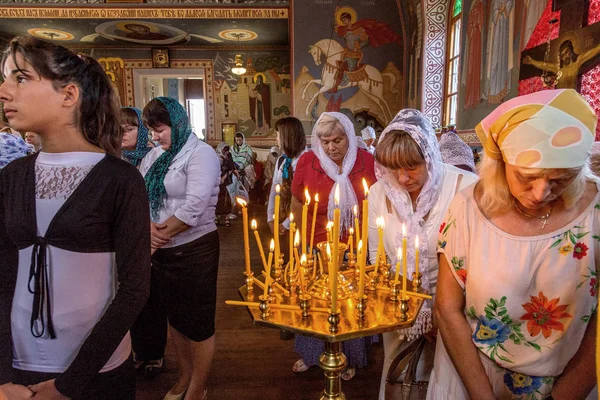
x=135, y=142
x=518, y=255
x=182, y=176
x=241, y=151
x=334, y=159
x=414, y=188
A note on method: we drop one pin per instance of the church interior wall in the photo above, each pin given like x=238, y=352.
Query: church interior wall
x=359, y=65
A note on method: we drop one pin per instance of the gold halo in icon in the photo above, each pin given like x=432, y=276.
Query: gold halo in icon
x=49, y=33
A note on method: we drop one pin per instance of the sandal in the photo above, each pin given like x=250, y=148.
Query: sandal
x=348, y=373
x=299, y=366
x=227, y=222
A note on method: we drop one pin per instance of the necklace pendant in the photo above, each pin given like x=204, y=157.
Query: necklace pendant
x=544, y=223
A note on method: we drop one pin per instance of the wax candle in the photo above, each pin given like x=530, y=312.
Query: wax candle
x=314, y=221
x=268, y=271
x=276, y=223
x=350, y=239
x=403, y=259
x=332, y=281
x=365, y=226
x=258, y=243
x=398, y=260
x=336, y=245
x=417, y=255
x=380, y=249
x=301, y=269
x=361, y=278
x=305, y=219
x=329, y=228
x=356, y=227
x=242, y=203
x=291, y=240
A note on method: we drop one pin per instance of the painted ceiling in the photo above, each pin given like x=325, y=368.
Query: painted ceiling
x=186, y=27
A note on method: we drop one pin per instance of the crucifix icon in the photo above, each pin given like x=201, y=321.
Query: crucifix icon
x=576, y=50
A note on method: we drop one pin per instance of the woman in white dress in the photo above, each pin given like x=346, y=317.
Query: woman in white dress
x=518, y=260
x=414, y=187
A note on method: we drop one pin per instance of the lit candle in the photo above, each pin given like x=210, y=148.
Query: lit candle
x=295, y=259
x=314, y=221
x=291, y=241
x=305, y=219
x=242, y=203
x=276, y=223
x=268, y=271
x=361, y=278
x=365, y=226
x=380, y=249
x=350, y=239
x=258, y=243
x=336, y=245
x=328, y=228
x=332, y=280
x=356, y=227
x=399, y=259
x=301, y=269
x=417, y=255
x=403, y=259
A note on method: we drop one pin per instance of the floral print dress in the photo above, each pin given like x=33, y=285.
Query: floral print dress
x=528, y=299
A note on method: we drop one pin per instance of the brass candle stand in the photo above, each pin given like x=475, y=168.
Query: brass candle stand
x=307, y=311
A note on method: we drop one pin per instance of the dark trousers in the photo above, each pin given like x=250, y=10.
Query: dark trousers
x=149, y=332
x=117, y=384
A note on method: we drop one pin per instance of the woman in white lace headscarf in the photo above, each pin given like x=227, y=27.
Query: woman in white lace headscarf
x=414, y=188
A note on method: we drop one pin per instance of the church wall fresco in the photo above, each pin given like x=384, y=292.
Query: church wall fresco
x=352, y=58
x=253, y=101
x=507, y=51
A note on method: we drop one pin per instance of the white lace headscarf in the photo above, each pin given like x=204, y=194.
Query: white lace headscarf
x=418, y=126
x=347, y=195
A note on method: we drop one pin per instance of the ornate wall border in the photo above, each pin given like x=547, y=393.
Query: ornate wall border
x=435, y=14
x=206, y=65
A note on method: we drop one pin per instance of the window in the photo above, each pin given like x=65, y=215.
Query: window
x=452, y=65
x=197, y=119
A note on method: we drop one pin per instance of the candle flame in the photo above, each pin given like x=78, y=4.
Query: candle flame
x=272, y=245
x=351, y=231
x=277, y=188
x=417, y=242
x=307, y=196
x=329, y=225
x=360, y=245
x=253, y=224
x=380, y=223
x=403, y=229
x=336, y=196
x=355, y=210
x=241, y=201
x=317, y=198
x=399, y=254
x=366, y=187
x=303, y=259
x=297, y=239
x=291, y=217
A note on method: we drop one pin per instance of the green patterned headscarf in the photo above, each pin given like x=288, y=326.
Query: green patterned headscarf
x=180, y=132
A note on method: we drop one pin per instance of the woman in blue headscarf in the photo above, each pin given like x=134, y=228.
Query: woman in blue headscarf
x=182, y=177
x=135, y=142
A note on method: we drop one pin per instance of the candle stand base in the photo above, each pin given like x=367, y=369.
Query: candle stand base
x=320, y=288
x=333, y=362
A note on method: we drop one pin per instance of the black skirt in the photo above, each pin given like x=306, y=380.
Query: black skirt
x=187, y=281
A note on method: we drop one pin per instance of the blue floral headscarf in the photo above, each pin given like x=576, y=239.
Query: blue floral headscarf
x=180, y=132
x=141, y=148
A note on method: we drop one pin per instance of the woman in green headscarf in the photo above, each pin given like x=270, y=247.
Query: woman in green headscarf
x=182, y=176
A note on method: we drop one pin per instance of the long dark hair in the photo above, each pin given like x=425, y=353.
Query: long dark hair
x=291, y=135
x=97, y=116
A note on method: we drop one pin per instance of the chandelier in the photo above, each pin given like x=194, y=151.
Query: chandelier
x=239, y=68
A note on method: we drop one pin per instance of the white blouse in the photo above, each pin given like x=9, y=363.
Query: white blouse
x=192, y=185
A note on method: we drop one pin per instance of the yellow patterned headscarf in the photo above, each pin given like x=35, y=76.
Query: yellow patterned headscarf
x=547, y=129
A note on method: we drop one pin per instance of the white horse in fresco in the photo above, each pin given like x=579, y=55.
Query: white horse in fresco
x=371, y=85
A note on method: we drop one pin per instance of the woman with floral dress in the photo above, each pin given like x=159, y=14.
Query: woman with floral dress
x=516, y=293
